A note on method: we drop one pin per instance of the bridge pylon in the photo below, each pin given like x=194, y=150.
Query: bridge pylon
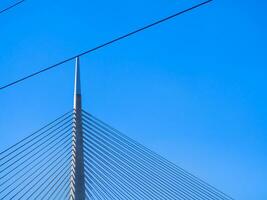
x=77, y=180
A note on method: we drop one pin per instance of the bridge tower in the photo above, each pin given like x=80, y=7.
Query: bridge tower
x=77, y=182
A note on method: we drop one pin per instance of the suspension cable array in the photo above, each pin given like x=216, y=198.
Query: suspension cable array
x=38, y=167
x=120, y=168
x=115, y=166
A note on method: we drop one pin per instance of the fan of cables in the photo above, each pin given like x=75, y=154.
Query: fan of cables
x=115, y=167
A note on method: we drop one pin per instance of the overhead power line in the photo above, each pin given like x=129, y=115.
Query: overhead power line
x=107, y=43
x=12, y=6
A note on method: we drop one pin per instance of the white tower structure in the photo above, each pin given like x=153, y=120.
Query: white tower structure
x=77, y=182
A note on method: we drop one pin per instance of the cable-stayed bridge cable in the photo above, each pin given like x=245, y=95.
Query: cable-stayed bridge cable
x=116, y=167
x=198, y=188
x=34, y=157
x=35, y=153
x=150, y=175
x=65, y=125
x=124, y=167
x=137, y=159
x=108, y=170
x=33, y=134
x=35, y=174
x=32, y=169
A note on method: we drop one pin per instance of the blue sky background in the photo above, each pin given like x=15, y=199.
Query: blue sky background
x=192, y=89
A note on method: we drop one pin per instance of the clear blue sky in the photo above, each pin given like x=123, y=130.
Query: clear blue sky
x=193, y=89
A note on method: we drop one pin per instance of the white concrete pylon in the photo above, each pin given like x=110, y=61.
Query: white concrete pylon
x=77, y=82
x=77, y=182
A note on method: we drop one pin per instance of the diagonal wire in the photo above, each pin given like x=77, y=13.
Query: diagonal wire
x=107, y=156
x=194, y=180
x=97, y=183
x=44, y=137
x=139, y=162
x=110, y=171
x=104, y=168
x=96, y=191
x=65, y=187
x=100, y=186
x=88, y=182
x=157, y=157
x=23, y=140
x=55, y=180
x=103, y=161
x=134, y=172
x=36, y=153
x=107, y=43
x=43, y=168
x=106, y=179
x=11, y=6
x=40, y=180
x=42, y=164
x=125, y=158
x=25, y=161
x=132, y=157
x=151, y=175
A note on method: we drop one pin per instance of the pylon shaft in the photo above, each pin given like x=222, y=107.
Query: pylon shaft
x=77, y=168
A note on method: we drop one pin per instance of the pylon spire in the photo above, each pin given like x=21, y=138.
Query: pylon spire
x=77, y=82
x=77, y=184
